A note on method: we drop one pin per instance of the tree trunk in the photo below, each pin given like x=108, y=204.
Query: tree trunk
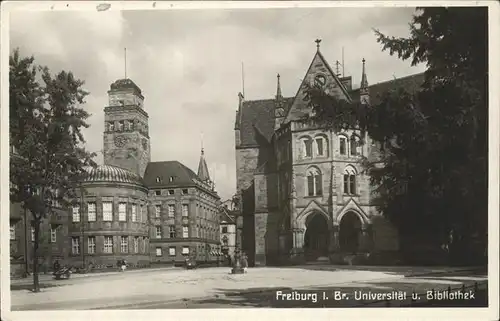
x=36, y=283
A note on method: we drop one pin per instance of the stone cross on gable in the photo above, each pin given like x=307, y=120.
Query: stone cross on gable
x=317, y=41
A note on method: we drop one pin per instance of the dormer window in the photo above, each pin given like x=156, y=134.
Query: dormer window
x=158, y=179
x=171, y=179
x=121, y=124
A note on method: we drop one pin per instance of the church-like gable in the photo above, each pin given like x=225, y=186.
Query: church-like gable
x=319, y=74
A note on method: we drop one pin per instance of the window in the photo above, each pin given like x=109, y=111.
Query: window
x=122, y=212
x=144, y=247
x=171, y=179
x=136, y=244
x=121, y=124
x=225, y=240
x=124, y=244
x=314, y=182
x=354, y=145
x=134, y=213
x=32, y=234
x=224, y=229
x=158, y=251
x=91, y=244
x=185, y=232
x=76, y=213
x=171, y=210
x=12, y=231
x=185, y=191
x=158, y=179
x=171, y=251
x=108, y=244
x=75, y=245
x=185, y=210
x=111, y=126
x=157, y=193
x=343, y=146
x=185, y=250
x=321, y=146
x=157, y=211
x=107, y=211
x=350, y=181
x=171, y=230
x=141, y=213
x=53, y=234
x=91, y=212
x=171, y=192
x=307, y=147
x=158, y=232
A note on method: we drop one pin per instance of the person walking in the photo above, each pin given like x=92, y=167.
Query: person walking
x=244, y=263
x=56, y=266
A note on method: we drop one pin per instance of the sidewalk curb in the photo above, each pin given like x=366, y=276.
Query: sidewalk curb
x=458, y=270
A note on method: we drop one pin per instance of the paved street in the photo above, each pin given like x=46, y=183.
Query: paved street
x=216, y=288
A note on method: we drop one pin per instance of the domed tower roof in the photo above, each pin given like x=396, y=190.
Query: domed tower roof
x=111, y=174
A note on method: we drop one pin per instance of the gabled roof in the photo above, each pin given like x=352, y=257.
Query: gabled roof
x=410, y=83
x=181, y=174
x=227, y=216
x=318, y=65
x=256, y=121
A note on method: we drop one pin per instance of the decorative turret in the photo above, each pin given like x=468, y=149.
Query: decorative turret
x=279, y=108
x=203, y=169
x=364, y=95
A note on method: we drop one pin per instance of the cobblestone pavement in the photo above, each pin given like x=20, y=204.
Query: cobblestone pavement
x=159, y=288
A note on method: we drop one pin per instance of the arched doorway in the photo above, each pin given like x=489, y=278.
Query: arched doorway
x=350, y=233
x=316, y=237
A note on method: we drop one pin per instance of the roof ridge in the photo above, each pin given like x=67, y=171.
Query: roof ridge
x=396, y=79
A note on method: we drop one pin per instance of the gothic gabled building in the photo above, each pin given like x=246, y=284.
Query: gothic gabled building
x=304, y=195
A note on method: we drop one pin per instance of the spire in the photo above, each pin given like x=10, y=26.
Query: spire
x=364, y=81
x=278, y=90
x=203, y=168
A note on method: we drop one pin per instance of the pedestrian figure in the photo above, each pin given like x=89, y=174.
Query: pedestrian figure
x=124, y=265
x=57, y=266
x=244, y=263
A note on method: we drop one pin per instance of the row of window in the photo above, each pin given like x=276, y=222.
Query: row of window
x=172, y=232
x=315, y=181
x=185, y=191
x=108, y=245
x=318, y=147
x=125, y=125
x=171, y=210
x=172, y=251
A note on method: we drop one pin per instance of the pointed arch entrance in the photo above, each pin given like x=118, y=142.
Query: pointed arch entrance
x=316, y=237
x=350, y=232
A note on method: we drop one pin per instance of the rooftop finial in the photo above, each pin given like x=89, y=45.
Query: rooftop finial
x=278, y=90
x=364, y=80
x=317, y=41
x=202, y=150
x=125, y=62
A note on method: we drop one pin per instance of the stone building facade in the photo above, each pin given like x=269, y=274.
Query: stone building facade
x=128, y=208
x=304, y=194
x=227, y=216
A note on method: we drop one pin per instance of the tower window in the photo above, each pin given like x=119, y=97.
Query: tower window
x=111, y=126
x=314, y=182
x=343, y=146
x=121, y=124
x=350, y=181
x=158, y=179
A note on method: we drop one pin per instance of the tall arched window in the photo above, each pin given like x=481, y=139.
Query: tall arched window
x=350, y=180
x=306, y=146
x=355, y=147
x=343, y=145
x=321, y=145
x=314, y=182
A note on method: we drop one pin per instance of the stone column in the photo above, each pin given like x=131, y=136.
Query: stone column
x=297, y=253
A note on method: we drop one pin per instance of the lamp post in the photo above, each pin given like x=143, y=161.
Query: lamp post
x=237, y=269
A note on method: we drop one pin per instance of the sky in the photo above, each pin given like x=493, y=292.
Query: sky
x=188, y=64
